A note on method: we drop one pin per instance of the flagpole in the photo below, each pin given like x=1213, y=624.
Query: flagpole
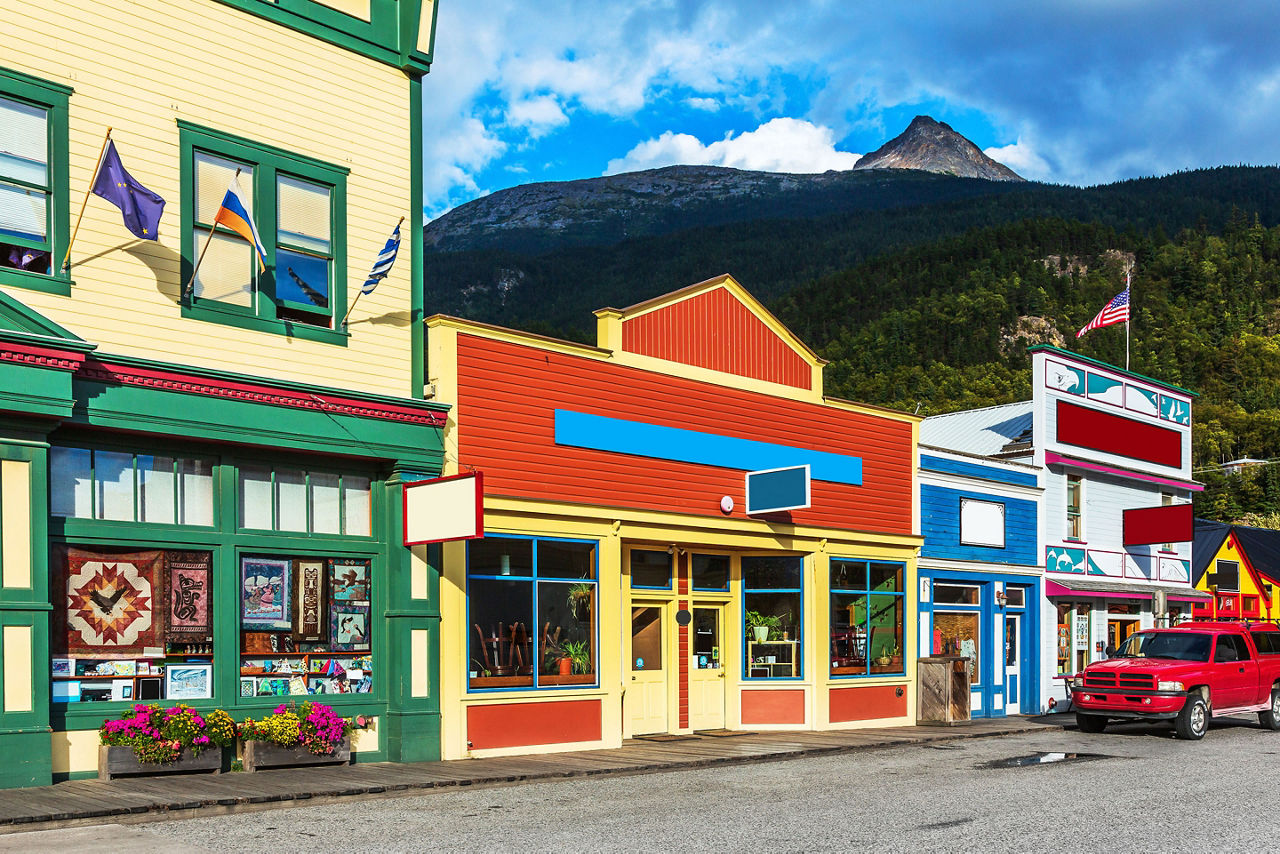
x=1128, y=317
x=191, y=283
x=66, y=259
x=360, y=292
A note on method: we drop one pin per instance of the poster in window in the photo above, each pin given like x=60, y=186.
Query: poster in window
x=349, y=628
x=108, y=602
x=349, y=580
x=264, y=593
x=310, y=623
x=1082, y=631
x=187, y=577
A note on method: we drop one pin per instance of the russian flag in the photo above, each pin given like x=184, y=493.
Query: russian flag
x=234, y=214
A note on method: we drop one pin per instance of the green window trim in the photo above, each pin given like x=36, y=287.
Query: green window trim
x=268, y=313
x=389, y=36
x=53, y=97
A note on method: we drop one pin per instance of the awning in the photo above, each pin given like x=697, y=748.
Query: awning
x=1120, y=589
x=1051, y=458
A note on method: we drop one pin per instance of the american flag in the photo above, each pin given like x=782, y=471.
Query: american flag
x=1116, y=311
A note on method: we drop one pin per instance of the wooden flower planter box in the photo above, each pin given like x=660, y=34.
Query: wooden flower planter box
x=260, y=755
x=120, y=761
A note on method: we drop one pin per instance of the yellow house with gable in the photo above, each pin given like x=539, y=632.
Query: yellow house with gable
x=1240, y=566
x=203, y=444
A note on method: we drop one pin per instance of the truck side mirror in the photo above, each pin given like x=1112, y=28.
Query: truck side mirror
x=1109, y=651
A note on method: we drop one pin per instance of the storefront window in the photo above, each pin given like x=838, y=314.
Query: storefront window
x=710, y=572
x=960, y=635
x=124, y=487
x=772, y=588
x=867, y=602
x=288, y=499
x=651, y=569
x=1074, y=632
x=306, y=626
x=532, y=612
x=131, y=625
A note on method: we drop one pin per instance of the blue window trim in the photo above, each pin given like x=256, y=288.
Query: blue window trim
x=867, y=591
x=746, y=665
x=671, y=572
x=533, y=579
x=727, y=578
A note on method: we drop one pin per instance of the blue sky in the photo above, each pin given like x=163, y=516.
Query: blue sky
x=1081, y=92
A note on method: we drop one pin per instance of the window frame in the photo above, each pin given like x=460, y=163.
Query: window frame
x=868, y=591
x=535, y=580
x=1078, y=513
x=137, y=499
x=798, y=592
x=268, y=163
x=1217, y=576
x=308, y=472
x=54, y=98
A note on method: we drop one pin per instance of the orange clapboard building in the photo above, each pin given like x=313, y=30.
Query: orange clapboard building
x=681, y=533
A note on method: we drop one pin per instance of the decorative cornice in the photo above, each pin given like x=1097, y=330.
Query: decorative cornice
x=41, y=357
x=114, y=372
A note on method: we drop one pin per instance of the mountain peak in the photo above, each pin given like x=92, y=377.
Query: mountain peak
x=932, y=146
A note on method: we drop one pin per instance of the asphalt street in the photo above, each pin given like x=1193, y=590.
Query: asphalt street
x=1143, y=791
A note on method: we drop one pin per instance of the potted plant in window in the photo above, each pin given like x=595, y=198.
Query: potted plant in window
x=895, y=656
x=579, y=653
x=763, y=626
x=579, y=601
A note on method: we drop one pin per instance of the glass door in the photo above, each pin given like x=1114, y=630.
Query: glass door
x=647, y=694
x=706, y=668
x=1012, y=663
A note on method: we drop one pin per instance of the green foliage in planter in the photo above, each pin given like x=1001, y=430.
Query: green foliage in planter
x=159, y=735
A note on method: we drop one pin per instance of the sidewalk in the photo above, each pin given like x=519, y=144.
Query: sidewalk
x=80, y=802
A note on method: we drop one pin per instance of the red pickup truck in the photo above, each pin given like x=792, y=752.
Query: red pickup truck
x=1185, y=674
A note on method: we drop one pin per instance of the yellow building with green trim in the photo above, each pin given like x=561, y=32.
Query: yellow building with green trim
x=201, y=469
x=1239, y=566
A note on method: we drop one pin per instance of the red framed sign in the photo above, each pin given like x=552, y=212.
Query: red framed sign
x=443, y=509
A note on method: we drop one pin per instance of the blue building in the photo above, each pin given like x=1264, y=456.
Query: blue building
x=980, y=574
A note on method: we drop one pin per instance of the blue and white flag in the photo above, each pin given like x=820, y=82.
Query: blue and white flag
x=382, y=266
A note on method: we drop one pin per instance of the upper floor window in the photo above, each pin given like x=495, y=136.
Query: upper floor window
x=1166, y=500
x=1075, y=507
x=1227, y=576
x=299, y=207
x=33, y=182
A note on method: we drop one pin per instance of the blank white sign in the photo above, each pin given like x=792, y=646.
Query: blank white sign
x=981, y=523
x=447, y=508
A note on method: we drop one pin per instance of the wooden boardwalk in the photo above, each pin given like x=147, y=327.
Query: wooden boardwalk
x=80, y=802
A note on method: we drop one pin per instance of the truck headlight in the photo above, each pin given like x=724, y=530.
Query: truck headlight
x=1077, y=682
x=1170, y=686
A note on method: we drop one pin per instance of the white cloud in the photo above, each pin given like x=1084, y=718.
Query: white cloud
x=1022, y=158
x=538, y=115
x=707, y=105
x=779, y=145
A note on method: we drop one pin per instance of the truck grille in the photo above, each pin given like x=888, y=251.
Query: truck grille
x=1140, y=681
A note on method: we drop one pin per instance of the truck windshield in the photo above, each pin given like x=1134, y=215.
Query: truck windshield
x=1184, y=646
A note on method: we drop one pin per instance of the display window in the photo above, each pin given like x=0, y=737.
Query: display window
x=305, y=626
x=867, y=606
x=131, y=624
x=961, y=634
x=531, y=605
x=145, y=573
x=772, y=592
x=710, y=573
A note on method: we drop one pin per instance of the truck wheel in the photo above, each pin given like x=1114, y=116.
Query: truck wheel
x=1090, y=723
x=1193, y=721
x=1270, y=719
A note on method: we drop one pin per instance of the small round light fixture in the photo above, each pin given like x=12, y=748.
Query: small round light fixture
x=726, y=504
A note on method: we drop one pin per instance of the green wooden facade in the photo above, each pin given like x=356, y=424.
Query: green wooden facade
x=59, y=391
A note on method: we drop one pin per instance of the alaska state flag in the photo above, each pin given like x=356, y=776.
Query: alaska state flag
x=234, y=214
x=140, y=206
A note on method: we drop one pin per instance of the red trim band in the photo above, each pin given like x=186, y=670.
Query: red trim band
x=41, y=357
x=102, y=371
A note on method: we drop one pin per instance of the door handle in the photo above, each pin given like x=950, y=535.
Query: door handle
x=633, y=677
x=720, y=675
x=1242, y=670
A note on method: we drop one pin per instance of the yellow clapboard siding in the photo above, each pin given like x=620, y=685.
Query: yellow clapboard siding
x=139, y=68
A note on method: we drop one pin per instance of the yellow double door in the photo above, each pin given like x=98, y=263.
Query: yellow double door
x=653, y=694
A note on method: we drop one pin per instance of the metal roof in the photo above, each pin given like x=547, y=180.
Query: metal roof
x=983, y=431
